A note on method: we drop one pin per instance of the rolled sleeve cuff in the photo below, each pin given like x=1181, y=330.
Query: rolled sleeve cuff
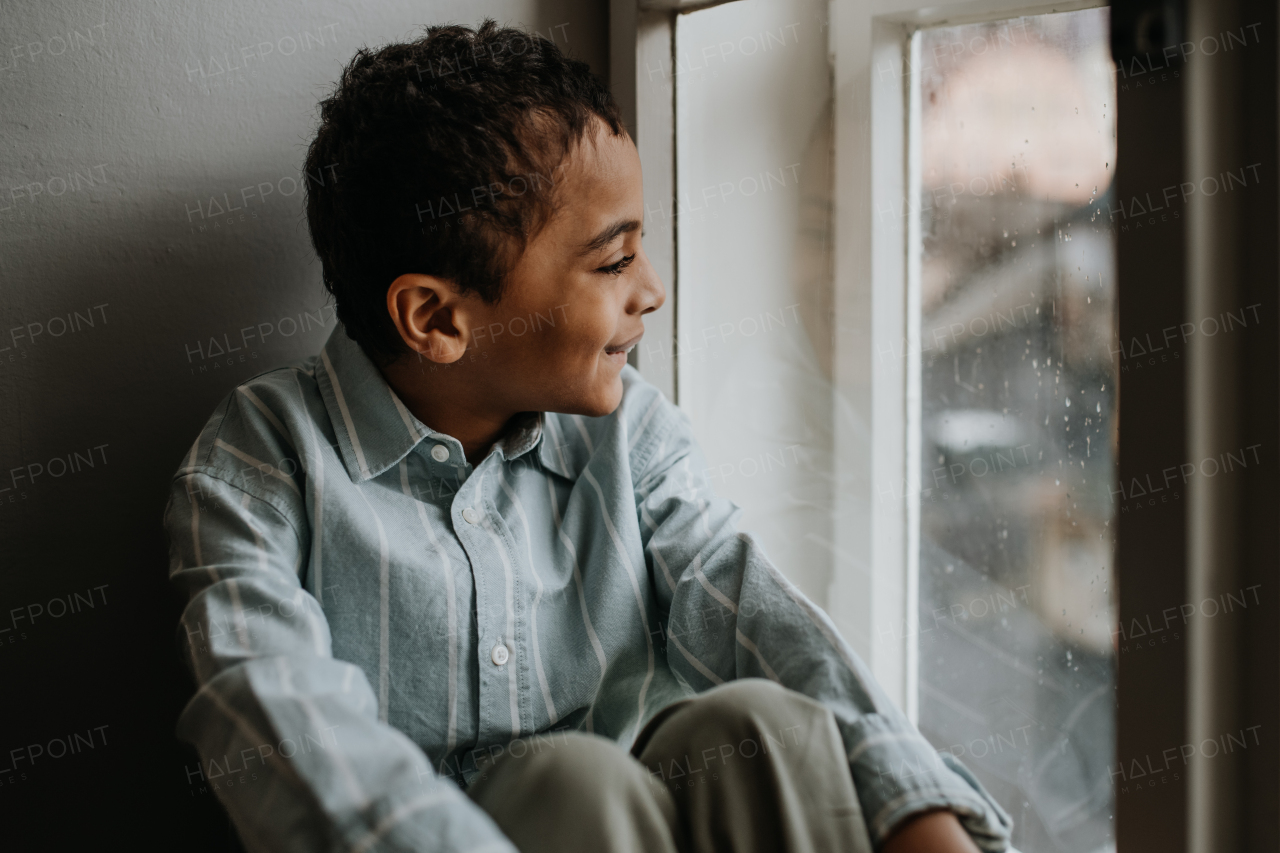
x=899, y=775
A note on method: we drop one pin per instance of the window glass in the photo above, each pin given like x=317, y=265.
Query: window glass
x=1017, y=420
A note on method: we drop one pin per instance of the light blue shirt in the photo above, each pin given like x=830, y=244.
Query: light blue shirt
x=370, y=618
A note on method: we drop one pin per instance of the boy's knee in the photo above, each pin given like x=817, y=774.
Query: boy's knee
x=751, y=691
x=578, y=786
x=757, y=697
x=752, y=705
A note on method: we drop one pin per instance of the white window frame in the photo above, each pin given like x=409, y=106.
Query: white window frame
x=640, y=41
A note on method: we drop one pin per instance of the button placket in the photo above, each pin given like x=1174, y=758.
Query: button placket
x=491, y=625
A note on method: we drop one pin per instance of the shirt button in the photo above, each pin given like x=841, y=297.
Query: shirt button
x=499, y=654
x=440, y=453
x=470, y=515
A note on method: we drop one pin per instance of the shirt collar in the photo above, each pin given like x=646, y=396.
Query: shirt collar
x=375, y=430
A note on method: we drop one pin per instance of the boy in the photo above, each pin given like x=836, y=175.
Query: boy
x=442, y=577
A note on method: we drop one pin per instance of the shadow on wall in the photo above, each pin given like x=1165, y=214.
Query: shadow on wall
x=119, y=346
x=155, y=254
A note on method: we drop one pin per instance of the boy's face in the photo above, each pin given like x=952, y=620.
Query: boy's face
x=571, y=309
x=558, y=339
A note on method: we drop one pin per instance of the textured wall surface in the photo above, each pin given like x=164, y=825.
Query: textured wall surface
x=153, y=254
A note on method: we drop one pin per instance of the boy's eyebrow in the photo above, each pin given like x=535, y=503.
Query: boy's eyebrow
x=608, y=235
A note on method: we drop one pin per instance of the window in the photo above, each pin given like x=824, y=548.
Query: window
x=894, y=333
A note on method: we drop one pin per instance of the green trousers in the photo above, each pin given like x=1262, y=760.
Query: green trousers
x=747, y=766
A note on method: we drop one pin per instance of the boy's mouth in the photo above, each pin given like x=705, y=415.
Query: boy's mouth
x=618, y=352
x=624, y=347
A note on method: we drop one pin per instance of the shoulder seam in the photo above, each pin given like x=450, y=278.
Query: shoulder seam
x=217, y=433
x=264, y=498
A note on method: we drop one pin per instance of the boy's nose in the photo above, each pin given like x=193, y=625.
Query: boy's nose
x=650, y=294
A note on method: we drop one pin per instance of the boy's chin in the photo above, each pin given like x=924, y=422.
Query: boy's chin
x=600, y=402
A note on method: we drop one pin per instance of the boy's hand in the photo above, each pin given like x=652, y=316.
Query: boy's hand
x=931, y=832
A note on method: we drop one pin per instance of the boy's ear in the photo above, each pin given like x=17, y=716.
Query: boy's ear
x=430, y=315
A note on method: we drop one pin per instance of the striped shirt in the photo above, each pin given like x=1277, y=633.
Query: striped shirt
x=370, y=618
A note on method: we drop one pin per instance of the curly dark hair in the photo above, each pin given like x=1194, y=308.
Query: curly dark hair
x=441, y=157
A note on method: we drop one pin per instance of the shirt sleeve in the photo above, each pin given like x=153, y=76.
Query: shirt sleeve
x=290, y=738
x=729, y=614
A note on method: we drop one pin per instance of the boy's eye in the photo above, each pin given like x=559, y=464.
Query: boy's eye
x=616, y=269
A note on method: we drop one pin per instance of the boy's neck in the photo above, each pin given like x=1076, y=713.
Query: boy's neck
x=450, y=402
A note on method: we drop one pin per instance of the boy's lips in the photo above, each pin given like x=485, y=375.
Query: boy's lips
x=624, y=346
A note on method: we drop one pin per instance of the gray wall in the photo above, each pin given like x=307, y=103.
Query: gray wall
x=151, y=219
